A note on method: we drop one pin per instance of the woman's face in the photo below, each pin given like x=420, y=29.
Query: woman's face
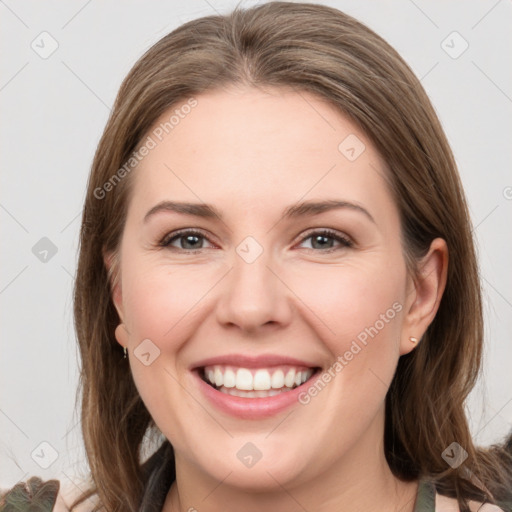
x=294, y=264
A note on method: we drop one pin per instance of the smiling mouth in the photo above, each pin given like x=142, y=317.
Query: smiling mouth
x=253, y=382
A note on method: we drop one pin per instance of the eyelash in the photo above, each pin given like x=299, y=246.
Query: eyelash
x=328, y=233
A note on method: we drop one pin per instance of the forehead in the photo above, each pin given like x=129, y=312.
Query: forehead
x=242, y=146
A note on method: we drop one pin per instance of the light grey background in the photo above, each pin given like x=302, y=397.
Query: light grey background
x=53, y=111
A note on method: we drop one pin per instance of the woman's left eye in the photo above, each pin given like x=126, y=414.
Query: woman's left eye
x=191, y=240
x=324, y=240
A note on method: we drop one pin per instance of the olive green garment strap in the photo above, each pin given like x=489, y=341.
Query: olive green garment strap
x=426, y=497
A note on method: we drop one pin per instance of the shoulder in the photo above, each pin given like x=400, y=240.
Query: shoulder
x=68, y=494
x=445, y=504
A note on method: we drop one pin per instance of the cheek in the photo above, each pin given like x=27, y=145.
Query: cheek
x=161, y=306
x=349, y=298
x=357, y=311
x=160, y=302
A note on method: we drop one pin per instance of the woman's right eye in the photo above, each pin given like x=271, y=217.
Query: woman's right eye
x=186, y=240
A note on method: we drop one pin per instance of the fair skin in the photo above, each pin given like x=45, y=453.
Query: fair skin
x=252, y=154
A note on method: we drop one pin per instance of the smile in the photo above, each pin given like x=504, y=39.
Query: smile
x=255, y=382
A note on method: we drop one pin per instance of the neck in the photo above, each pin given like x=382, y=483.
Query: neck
x=360, y=480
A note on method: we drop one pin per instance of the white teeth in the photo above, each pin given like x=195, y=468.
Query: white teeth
x=277, y=379
x=263, y=382
x=289, y=380
x=229, y=378
x=219, y=379
x=244, y=379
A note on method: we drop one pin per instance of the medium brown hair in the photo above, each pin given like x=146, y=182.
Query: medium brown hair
x=323, y=51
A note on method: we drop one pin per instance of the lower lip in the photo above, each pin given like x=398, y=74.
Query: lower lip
x=252, y=408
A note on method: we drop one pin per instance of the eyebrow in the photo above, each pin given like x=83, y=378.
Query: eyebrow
x=302, y=209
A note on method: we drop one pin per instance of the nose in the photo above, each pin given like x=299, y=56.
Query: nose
x=254, y=296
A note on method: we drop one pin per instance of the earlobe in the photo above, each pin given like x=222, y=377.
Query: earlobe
x=122, y=335
x=429, y=286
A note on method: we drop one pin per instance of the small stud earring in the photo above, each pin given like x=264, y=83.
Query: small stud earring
x=413, y=339
x=125, y=350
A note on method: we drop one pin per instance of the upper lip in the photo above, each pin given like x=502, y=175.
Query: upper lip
x=245, y=361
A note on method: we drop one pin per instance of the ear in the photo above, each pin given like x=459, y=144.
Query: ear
x=111, y=261
x=425, y=291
